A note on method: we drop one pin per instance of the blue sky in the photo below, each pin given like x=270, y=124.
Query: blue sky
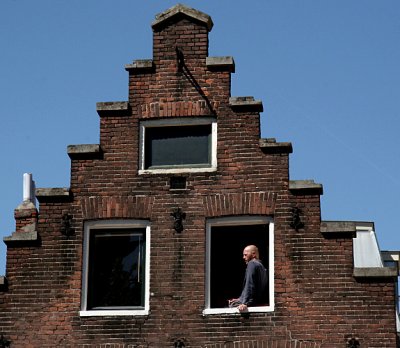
x=328, y=74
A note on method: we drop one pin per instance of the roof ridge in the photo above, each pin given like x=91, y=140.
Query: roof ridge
x=182, y=9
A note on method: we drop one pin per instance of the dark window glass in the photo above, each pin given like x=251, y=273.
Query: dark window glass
x=116, y=268
x=227, y=265
x=178, y=146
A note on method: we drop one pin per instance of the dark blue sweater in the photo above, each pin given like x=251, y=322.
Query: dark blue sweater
x=255, y=285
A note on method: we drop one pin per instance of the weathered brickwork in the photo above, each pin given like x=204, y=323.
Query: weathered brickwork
x=318, y=301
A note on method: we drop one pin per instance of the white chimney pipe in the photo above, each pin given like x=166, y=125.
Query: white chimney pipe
x=28, y=188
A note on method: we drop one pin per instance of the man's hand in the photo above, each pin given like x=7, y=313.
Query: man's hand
x=242, y=308
x=234, y=302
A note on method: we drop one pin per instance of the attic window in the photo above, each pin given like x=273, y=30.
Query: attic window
x=178, y=145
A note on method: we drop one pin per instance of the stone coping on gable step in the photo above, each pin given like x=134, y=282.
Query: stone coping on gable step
x=140, y=65
x=21, y=237
x=83, y=150
x=246, y=104
x=113, y=108
x=305, y=187
x=270, y=145
x=181, y=9
x=339, y=227
x=375, y=272
x=52, y=194
x=221, y=63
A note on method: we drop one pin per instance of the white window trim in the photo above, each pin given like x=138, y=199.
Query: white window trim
x=183, y=121
x=232, y=221
x=117, y=224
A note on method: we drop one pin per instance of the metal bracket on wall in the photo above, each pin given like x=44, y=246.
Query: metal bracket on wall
x=296, y=220
x=66, y=228
x=353, y=343
x=179, y=59
x=179, y=344
x=178, y=216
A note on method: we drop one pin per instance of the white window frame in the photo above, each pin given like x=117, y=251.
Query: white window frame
x=182, y=121
x=114, y=224
x=233, y=221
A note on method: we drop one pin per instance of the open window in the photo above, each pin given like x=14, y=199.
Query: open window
x=178, y=145
x=116, y=268
x=225, y=268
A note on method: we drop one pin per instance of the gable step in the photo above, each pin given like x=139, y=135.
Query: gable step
x=269, y=145
x=305, y=187
x=84, y=151
x=246, y=104
x=220, y=64
x=54, y=194
x=116, y=108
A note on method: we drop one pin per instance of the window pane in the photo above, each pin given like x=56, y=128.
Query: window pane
x=116, y=268
x=178, y=146
x=227, y=265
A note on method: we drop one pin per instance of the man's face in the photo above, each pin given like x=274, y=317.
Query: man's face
x=248, y=255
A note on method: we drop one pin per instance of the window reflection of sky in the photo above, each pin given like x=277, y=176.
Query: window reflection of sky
x=130, y=261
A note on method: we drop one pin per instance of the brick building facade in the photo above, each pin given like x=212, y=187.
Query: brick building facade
x=144, y=248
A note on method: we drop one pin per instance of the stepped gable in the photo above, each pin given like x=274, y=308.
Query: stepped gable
x=145, y=247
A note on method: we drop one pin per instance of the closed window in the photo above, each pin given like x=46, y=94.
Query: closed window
x=226, y=239
x=116, y=268
x=178, y=145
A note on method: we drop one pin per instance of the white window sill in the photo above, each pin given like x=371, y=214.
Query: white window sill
x=177, y=170
x=113, y=313
x=263, y=309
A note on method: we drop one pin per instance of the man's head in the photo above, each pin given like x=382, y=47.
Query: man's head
x=250, y=252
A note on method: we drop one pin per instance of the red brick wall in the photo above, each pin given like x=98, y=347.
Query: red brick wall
x=318, y=302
